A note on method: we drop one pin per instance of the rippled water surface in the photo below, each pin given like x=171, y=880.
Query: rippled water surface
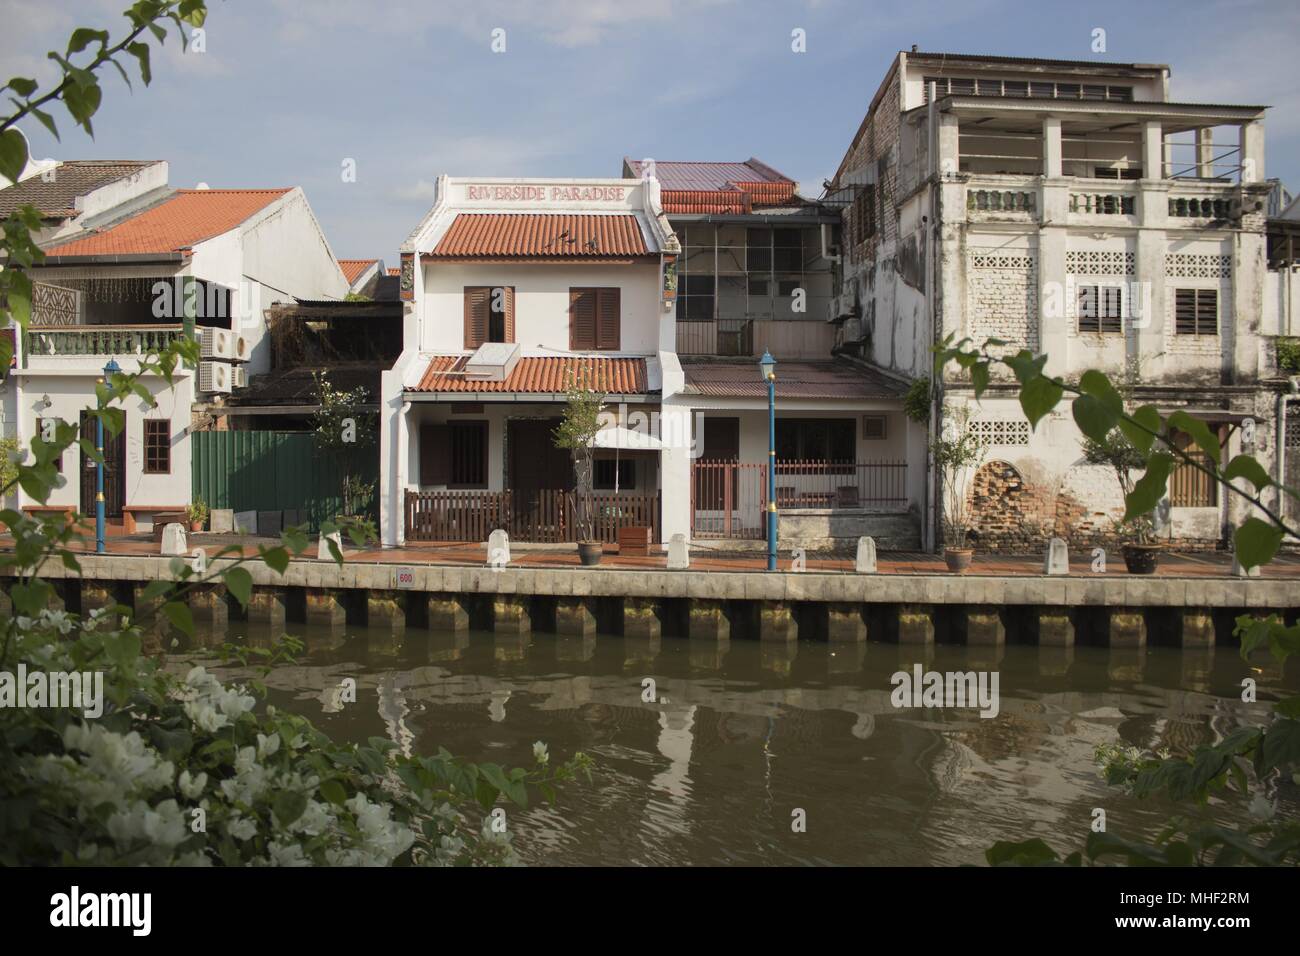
x=742, y=734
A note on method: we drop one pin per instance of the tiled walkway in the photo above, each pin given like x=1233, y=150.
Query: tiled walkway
x=1204, y=564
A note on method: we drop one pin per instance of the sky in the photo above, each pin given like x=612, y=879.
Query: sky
x=293, y=92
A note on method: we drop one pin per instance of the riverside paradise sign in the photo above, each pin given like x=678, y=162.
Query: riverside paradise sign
x=543, y=193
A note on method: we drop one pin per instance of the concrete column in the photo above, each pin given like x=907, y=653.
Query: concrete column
x=1153, y=151
x=510, y=614
x=915, y=624
x=386, y=609
x=267, y=606
x=208, y=603
x=707, y=620
x=1128, y=628
x=447, y=613
x=575, y=617
x=1251, y=144
x=1205, y=152
x=325, y=606
x=1198, y=627
x=1054, y=627
x=97, y=596
x=948, y=145
x=642, y=618
x=846, y=624
x=1055, y=295
x=984, y=625
x=675, y=459
x=776, y=622
x=1052, y=147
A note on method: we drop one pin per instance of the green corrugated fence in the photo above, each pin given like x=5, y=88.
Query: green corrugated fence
x=274, y=471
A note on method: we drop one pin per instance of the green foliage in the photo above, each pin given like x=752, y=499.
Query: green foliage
x=577, y=433
x=346, y=432
x=916, y=403
x=957, y=455
x=187, y=770
x=1117, y=452
x=197, y=510
x=9, y=452
x=1288, y=355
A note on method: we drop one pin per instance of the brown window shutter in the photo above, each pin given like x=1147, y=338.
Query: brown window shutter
x=478, y=299
x=510, y=313
x=582, y=319
x=435, y=462
x=607, y=324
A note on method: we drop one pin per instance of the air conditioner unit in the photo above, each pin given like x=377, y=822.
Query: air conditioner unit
x=243, y=350
x=239, y=377
x=216, y=343
x=214, y=377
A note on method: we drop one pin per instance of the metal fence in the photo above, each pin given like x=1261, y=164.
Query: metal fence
x=544, y=516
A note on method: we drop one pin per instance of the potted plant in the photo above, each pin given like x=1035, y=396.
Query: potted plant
x=1140, y=549
x=957, y=455
x=197, y=512
x=577, y=433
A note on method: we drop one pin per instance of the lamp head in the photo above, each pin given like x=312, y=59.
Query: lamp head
x=767, y=365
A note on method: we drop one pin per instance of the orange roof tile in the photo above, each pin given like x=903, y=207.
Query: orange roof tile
x=727, y=188
x=352, y=268
x=394, y=271
x=613, y=376
x=187, y=217
x=541, y=235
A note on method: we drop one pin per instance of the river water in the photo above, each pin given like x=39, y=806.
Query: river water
x=742, y=736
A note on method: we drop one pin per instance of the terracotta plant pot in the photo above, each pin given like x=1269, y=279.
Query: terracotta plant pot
x=196, y=525
x=1141, y=558
x=589, y=552
x=958, y=559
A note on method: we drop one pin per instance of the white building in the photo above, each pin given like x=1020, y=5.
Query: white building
x=516, y=285
x=119, y=287
x=1074, y=209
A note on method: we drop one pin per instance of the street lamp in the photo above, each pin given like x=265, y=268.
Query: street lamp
x=111, y=369
x=767, y=365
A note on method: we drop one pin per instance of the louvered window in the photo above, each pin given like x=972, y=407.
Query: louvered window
x=594, y=320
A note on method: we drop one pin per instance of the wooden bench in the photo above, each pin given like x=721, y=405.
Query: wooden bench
x=634, y=541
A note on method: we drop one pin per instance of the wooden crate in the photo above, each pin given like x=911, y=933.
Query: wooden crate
x=635, y=541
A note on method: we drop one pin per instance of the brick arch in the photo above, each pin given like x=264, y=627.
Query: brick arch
x=1004, y=508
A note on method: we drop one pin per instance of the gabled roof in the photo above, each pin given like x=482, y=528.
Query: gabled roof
x=57, y=199
x=541, y=235
x=713, y=187
x=176, y=224
x=354, y=268
x=547, y=375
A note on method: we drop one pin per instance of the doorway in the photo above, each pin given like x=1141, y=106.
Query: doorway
x=114, y=469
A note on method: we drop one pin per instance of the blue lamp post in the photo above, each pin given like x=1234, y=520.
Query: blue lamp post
x=767, y=365
x=111, y=369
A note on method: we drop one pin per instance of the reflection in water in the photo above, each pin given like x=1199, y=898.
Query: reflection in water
x=742, y=733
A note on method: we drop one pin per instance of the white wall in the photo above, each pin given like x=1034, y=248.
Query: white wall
x=541, y=303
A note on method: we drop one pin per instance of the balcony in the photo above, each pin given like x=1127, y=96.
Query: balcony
x=76, y=341
x=810, y=337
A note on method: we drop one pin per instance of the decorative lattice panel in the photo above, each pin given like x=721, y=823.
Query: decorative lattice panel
x=1098, y=263
x=1293, y=425
x=996, y=431
x=996, y=259
x=1196, y=265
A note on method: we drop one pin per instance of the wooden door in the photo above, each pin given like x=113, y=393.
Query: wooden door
x=715, y=489
x=114, y=470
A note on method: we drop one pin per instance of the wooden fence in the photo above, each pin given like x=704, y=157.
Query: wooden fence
x=544, y=517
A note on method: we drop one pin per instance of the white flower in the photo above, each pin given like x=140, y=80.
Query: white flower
x=58, y=620
x=267, y=745
x=191, y=786
x=539, y=753
x=242, y=828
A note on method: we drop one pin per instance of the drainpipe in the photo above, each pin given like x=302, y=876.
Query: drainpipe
x=936, y=389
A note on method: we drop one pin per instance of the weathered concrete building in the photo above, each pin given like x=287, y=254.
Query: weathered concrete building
x=1071, y=208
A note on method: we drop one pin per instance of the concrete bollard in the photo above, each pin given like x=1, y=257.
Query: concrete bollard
x=498, y=549
x=866, y=560
x=1058, y=557
x=173, y=540
x=679, y=557
x=323, y=552
x=1240, y=572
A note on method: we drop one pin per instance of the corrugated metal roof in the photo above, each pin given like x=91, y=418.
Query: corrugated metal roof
x=71, y=180
x=187, y=217
x=793, y=380
x=546, y=375
x=541, y=235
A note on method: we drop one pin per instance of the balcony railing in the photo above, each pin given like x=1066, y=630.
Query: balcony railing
x=1200, y=207
x=1000, y=201
x=76, y=340
x=1103, y=204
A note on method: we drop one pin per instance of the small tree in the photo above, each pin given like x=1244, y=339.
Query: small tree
x=577, y=433
x=344, y=432
x=1124, y=459
x=957, y=454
